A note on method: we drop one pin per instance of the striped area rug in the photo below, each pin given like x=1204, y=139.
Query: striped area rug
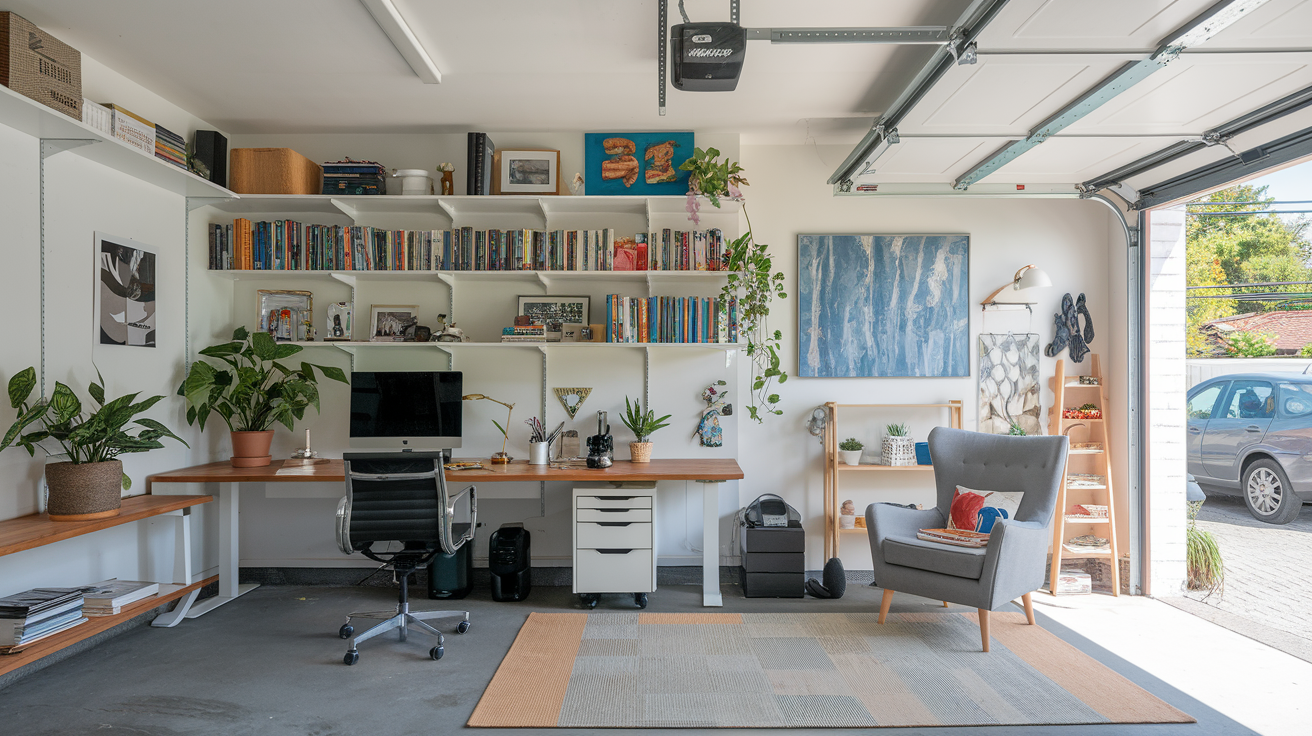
x=839, y=670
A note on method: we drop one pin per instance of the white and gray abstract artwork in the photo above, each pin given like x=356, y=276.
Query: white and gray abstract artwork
x=883, y=305
x=1009, y=383
x=126, y=298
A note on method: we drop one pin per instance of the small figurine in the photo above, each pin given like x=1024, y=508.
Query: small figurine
x=708, y=427
x=423, y=334
x=576, y=185
x=448, y=178
x=848, y=508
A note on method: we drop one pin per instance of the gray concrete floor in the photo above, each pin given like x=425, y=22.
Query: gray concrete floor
x=270, y=663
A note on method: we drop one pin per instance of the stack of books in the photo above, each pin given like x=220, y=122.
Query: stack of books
x=954, y=537
x=35, y=614
x=354, y=177
x=526, y=333
x=132, y=129
x=1085, y=480
x=669, y=319
x=97, y=116
x=108, y=597
x=480, y=156
x=170, y=147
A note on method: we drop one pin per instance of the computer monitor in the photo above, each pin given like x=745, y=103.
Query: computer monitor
x=406, y=410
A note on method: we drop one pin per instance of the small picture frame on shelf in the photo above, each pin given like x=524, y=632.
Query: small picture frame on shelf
x=393, y=322
x=286, y=315
x=339, y=322
x=554, y=312
x=528, y=171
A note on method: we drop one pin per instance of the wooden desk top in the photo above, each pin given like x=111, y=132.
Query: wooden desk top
x=35, y=530
x=330, y=470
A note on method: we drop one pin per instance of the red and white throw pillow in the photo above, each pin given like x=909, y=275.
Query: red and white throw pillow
x=977, y=511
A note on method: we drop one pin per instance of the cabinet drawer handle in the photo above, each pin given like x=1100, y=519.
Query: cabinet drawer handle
x=613, y=523
x=614, y=551
x=613, y=511
x=615, y=498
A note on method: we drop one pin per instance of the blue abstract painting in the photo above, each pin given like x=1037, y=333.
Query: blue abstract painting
x=883, y=305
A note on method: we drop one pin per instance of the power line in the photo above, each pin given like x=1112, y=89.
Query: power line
x=1257, y=283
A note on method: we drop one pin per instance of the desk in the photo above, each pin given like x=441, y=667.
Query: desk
x=229, y=480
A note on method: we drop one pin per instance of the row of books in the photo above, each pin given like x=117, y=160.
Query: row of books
x=35, y=614
x=170, y=147
x=286, y=245
x=671, y=319
x=354, y=177
x=136, y=131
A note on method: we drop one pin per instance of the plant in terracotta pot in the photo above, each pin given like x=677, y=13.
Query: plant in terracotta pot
x=642, y=424
x=850, y=450
x=253, y=391
x=87, y=485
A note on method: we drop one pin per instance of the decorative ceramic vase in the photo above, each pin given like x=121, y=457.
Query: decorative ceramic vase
x=640, y=452
x=251, y=449
x=84, y=491
x=899, y=450
x=537, y=453
x=850, y=457
x=846, y=521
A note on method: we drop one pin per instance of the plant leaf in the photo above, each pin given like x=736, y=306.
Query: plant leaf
x=158, y=427
x=264, y=346
x=21, y=385
x=332, y=373
x=240, y=334
x=64, y=403
x=285, y=350
x=31, y=415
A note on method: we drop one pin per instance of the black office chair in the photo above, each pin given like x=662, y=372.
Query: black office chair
x=400, y=497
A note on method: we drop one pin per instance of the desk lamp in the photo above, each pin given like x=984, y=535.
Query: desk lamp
x=499, y=458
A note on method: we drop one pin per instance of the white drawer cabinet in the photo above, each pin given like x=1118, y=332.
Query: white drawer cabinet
x=614, y=542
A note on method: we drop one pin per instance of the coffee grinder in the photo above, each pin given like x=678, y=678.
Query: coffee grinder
x=601, y=446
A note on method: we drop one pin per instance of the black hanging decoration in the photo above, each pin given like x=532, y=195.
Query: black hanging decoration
x=1068, y=334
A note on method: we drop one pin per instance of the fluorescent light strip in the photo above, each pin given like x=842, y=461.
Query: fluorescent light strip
x=389, y=19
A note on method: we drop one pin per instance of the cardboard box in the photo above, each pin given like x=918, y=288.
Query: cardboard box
x=273, y=171
x=39, y=66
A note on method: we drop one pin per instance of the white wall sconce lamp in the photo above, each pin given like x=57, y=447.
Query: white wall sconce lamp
x=1027, y=277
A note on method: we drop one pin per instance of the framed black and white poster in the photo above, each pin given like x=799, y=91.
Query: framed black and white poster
x=554, y=311
x=126, y=273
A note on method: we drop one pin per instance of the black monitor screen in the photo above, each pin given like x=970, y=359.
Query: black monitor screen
x=406, y=404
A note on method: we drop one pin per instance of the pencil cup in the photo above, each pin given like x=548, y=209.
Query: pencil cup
x=537, y=453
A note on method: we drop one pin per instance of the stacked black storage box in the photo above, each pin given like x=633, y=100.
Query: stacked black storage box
x=773, y=565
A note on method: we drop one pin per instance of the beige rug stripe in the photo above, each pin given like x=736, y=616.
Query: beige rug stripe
x=880, y=689
x=1107, y=692
x=690, y=618
x=529, y=686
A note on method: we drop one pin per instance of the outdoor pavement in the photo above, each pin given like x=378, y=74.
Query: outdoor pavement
x=1268, y=591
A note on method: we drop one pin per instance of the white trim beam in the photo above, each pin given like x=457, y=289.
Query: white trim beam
x=403, y=38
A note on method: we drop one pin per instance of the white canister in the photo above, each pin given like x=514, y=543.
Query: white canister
x=414, y=181
x=537, y=453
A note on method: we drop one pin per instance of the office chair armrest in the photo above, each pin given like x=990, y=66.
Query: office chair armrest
x=450, y=545
x=344, y=526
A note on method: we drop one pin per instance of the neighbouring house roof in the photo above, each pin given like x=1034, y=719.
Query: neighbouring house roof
x=1292, y=329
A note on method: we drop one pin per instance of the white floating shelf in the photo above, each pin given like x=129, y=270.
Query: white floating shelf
x=238, y=275
x=354, y=344
x=460, y=206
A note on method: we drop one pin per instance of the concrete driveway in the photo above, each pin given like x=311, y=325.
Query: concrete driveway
x=1268, y=591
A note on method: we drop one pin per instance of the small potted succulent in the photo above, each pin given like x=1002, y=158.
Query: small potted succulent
x=898, y=447
x=89, y=484
x=642, y=424
x=850, y=451
x=253, y=392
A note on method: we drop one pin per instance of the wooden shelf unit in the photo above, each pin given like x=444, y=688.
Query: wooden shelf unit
x=1091, y=462
x=833, y=468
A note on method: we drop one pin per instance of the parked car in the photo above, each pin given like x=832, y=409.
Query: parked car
x=1250, y=434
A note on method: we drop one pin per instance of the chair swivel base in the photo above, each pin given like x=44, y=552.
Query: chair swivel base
x=402, y=620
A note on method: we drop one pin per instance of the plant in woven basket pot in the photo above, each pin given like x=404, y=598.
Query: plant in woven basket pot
x=88, y=484
x=850, y=450
x=642, y=424
x=252, y=391
x=898, y=447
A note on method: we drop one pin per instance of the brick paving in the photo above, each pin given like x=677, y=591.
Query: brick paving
x=1268, y=575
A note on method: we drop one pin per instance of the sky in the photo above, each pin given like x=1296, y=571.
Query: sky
x=1293, y=183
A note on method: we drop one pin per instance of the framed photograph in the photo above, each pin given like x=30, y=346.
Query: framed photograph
x=636, y=163
x=393, y=322
x=528, y=172
x=288, y=316
x=126, y=273
x=555, y=311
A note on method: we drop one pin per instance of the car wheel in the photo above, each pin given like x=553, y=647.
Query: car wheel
x=1268, y=494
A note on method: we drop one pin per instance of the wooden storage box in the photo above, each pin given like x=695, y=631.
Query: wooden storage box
x=273, y=171
x=35, y=64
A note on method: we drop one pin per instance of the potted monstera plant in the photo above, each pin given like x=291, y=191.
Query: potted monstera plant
x=252, y=390
x=88, y=484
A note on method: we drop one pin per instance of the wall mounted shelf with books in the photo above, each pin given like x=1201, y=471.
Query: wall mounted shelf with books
x=542, y=277
x=352, y=345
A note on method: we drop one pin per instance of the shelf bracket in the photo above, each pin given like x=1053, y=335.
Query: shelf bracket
x=728, y=357
x=646, y=377
x=51, y=146
x=195, y=203
x=349, y=280
x=542, y=207
x=542, y=279
x=449, y=209
x=345, y=209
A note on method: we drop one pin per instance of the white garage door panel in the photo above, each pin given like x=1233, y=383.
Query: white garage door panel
x=1286, y=23
x=930, y=159
x=1061, y=160
x=1085, y=24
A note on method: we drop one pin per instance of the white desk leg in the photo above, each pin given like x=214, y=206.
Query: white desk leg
x=229, y=557
x=181, y=572
x=711, y=543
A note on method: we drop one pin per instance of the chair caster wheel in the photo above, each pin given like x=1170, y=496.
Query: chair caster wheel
x=345, y=632
x=351, y=657
x=462, y=627
x=640, y=599
x=589, y=600
x=436, y=652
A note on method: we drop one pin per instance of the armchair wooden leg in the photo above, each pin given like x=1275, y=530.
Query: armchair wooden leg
x=884, y=604
x=1029, y=608
x=984, y=627
x=945, y=604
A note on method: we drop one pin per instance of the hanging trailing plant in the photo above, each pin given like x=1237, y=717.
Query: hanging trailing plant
x=752, y=281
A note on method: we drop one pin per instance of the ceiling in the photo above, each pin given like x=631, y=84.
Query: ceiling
x=254, y=66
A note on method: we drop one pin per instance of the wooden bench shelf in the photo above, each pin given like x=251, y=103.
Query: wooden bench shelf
x=36, y=530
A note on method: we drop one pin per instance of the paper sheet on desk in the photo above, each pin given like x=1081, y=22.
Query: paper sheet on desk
x=299, y=467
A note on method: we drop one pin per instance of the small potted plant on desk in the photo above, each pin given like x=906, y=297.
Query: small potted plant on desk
x=898, y=447
x=253, y=392
x=87, y=485
x=642, y=424
x=850, y=450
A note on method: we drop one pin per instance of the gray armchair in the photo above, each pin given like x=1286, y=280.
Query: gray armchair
x=1012, y=564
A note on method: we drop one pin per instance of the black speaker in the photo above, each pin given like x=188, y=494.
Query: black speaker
x=212, y=149
x=452, y=576
x=509, y=563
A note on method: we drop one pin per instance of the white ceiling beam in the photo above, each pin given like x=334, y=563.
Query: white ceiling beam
x=403, y=38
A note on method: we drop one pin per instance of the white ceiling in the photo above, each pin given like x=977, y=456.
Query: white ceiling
x=255, y=66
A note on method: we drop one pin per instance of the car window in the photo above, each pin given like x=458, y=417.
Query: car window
x=1200, y=406
x=1295, y=399
x=1250, y=400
